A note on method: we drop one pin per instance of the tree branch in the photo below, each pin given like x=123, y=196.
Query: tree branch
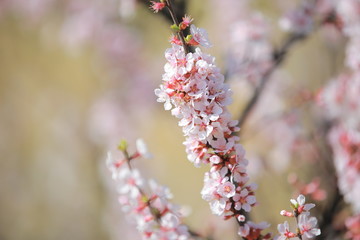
x=179, y=7
x=278, y=58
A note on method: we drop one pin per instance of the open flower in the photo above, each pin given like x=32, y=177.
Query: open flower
x=307, y=226
x=142, y=149
x=299, y=204
x=244, y=200
x=200, y=36
x=227, y=189
x=284, y=231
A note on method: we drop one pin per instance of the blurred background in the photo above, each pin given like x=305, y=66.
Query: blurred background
x=77, y=76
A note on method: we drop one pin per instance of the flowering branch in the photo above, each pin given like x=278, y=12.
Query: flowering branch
x=194, y=89
x=180, y=32
x=306, y=226
x=155, y=216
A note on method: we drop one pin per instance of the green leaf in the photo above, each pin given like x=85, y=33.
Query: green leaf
x=123, y=145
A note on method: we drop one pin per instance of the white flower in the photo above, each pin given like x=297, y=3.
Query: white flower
x=200, y=35
x=244, y=230
x=110, y=163
x=218, y=206
x=284, y=231
x=142, y=149
x=163, y=97
x=299, y=203
x=308, y=226
x=226, y=189
x=244, y=200
x=170, y=220
x=215, y=159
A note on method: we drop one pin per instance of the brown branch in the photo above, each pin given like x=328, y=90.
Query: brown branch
x=176, y=22
x=179, y=7
x=176, y=11
x=278, y=59
x=328, y=216
x=336, y=202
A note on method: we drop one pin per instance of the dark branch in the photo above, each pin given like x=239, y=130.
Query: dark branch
x=179, y=7
x=278, y=58
x=328, y=216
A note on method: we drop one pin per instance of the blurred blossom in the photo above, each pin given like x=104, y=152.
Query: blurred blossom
x=278, y=126
x=353, y=227
x=349, y=13
x=250, y=52
x=312, y=189
x=32, y=10
x=232, y=9
x=346, y=147
x=340, y=99
x=81, y=23
x=324, y=7
x=352, y=53
x=110, y=122
x=299, y=20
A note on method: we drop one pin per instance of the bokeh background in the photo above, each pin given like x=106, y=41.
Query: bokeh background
x=78, y=76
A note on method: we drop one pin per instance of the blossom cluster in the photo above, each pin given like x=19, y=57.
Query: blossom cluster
x=340, y=99
x=154, y=215
x=306, y=225
x=194, y=90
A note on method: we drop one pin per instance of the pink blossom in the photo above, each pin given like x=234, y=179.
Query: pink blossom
x=194, y=89
x=284, y=231
x=200, y=36
x=142, y=149
x=307, y=226
x=140, y=207
x=252, y=231
x=157, y=6
x=353, y=226
x=299, y=204
x=244, y=200
x=299, y=20
x=226, y=189
x=250, y=52
x=186, y=21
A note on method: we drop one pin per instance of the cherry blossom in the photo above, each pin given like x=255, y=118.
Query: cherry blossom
x=157, y=6
x=142, y=148
x=200, y=36
x=299, y=204
x=307, y=226
x=252, y=231
x=353, y=226
x=155, y=216
x=244, y=200
x=250, y=52
x=284, y=231
x=299, y=20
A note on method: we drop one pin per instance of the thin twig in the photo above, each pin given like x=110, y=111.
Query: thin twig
x=179, y=7
x=278, y=58
x=176, y=22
